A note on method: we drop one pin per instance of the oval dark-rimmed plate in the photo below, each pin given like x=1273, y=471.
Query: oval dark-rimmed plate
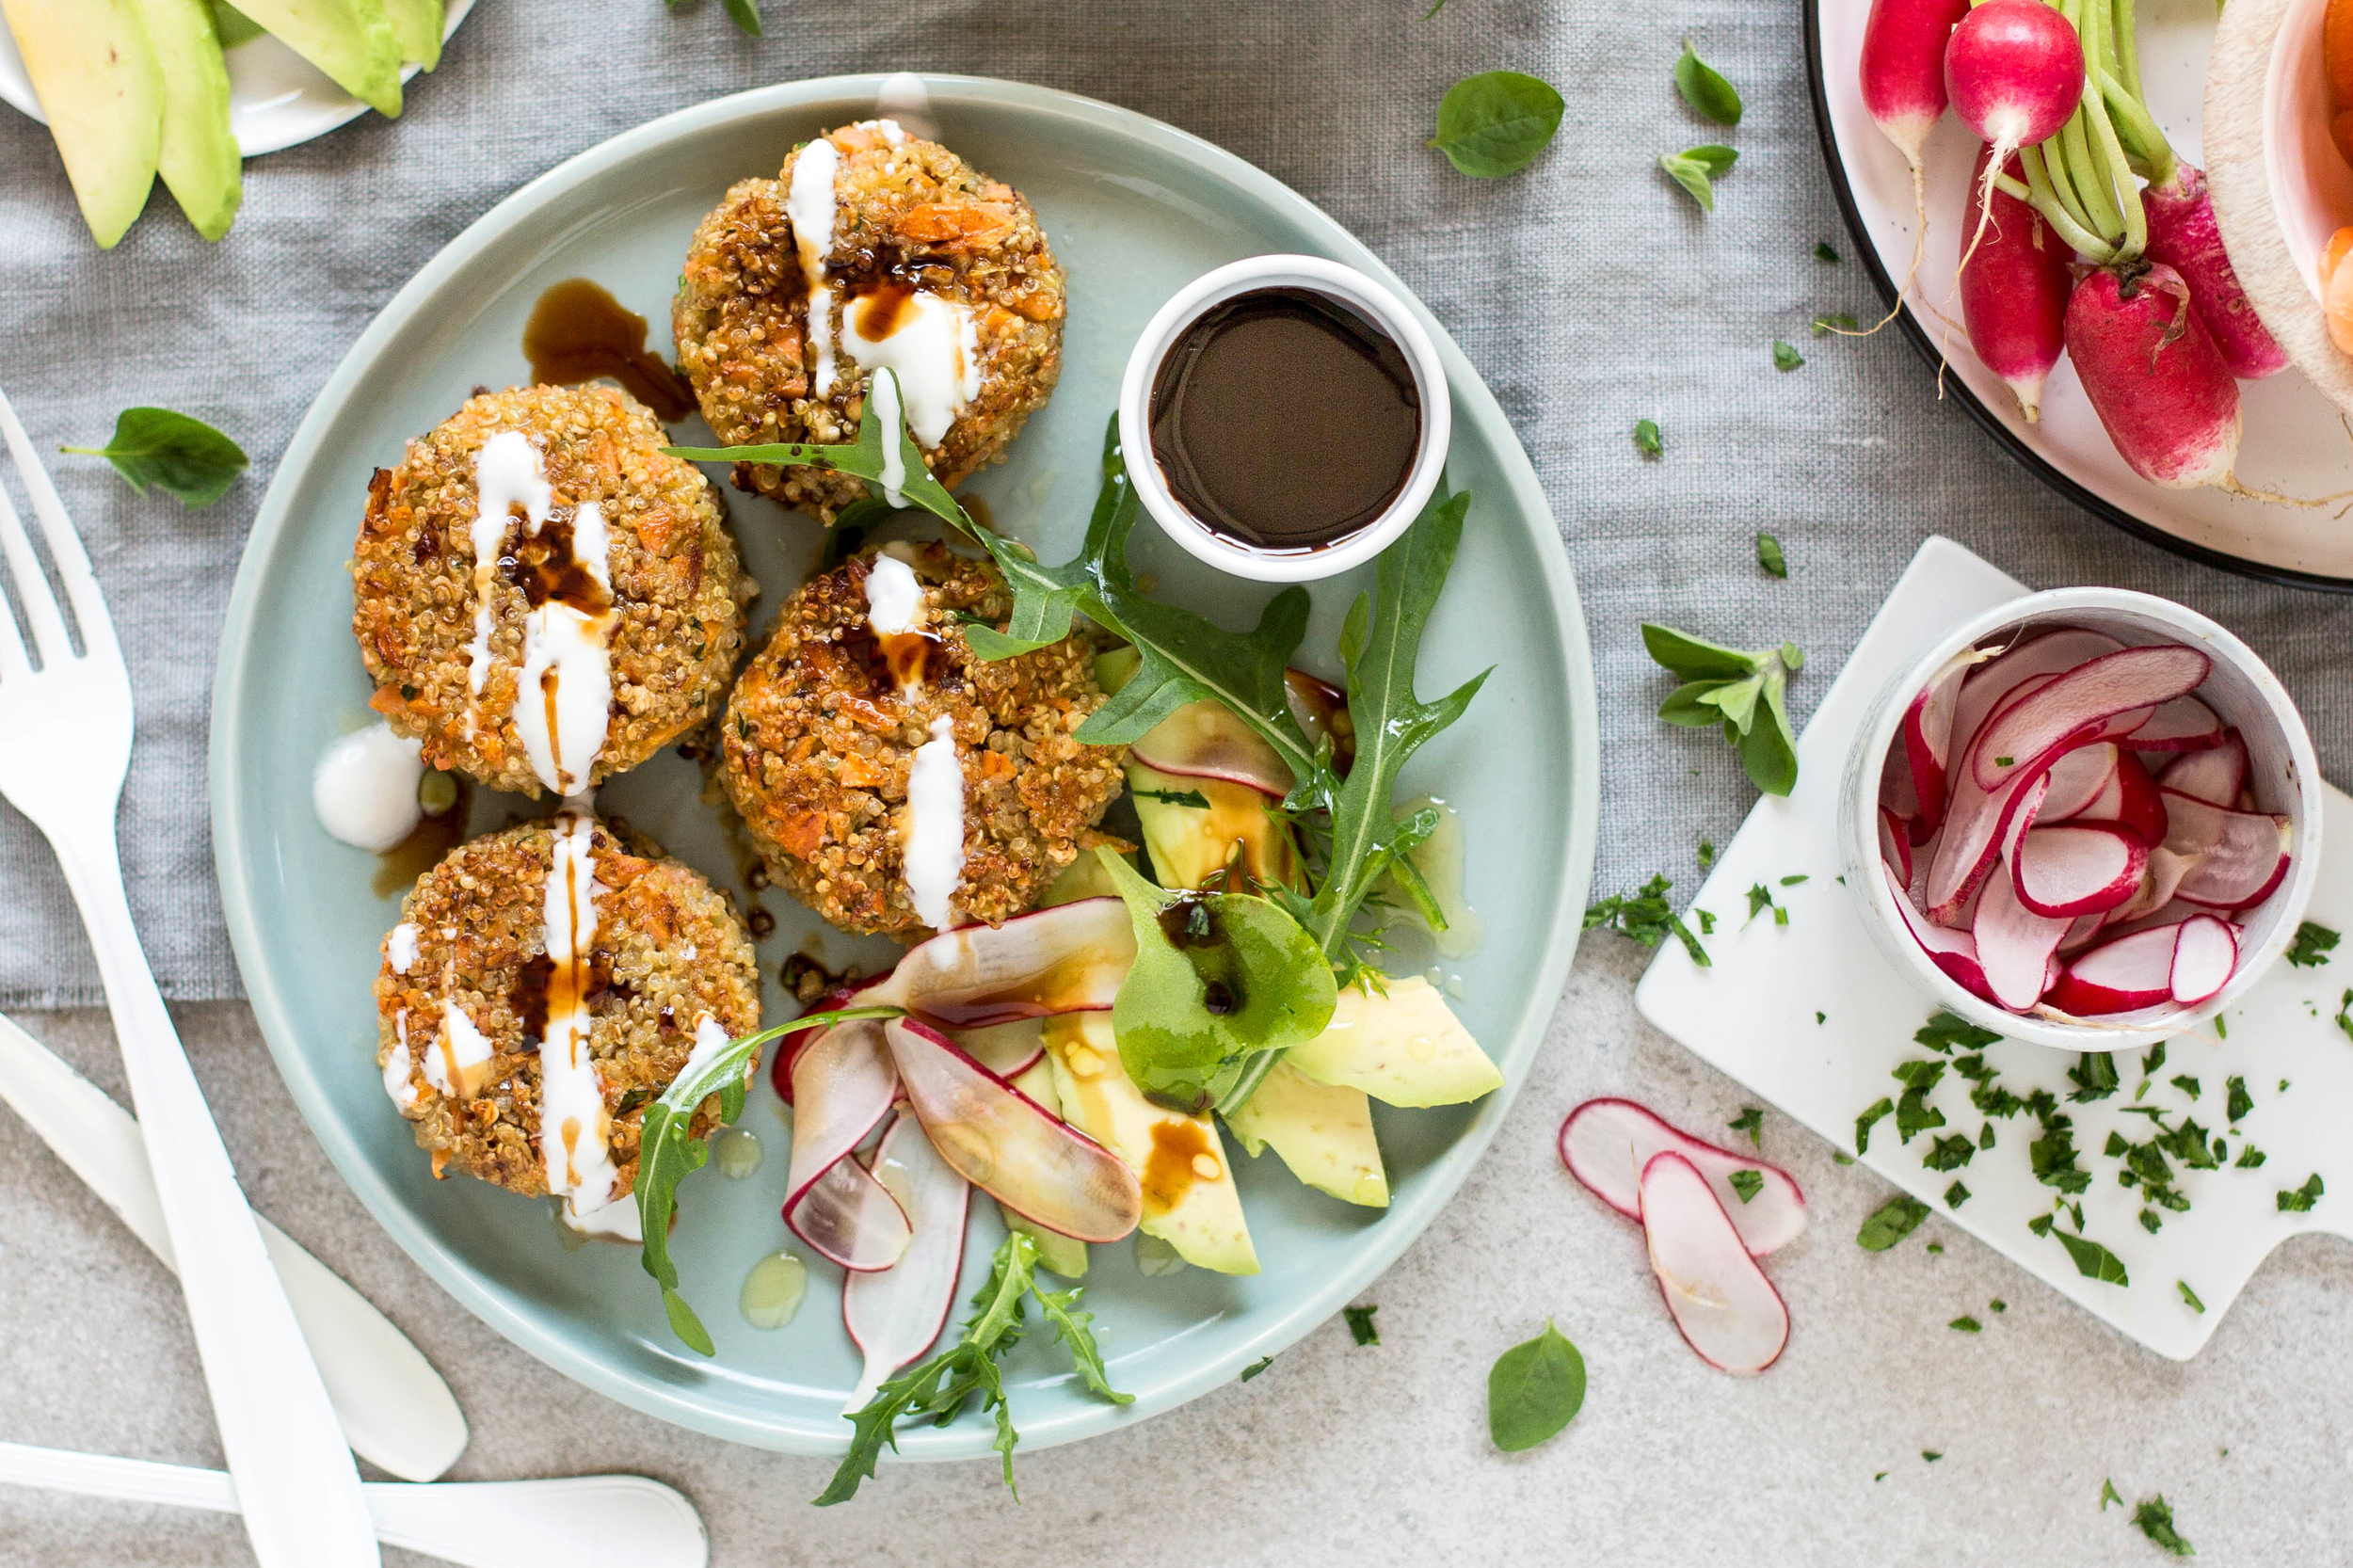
x=2294, y=443
x=1135, y=209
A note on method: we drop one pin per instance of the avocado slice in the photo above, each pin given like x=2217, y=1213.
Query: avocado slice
x=1402, y=1048
x=417, y=23
x=199, y=161
x=352, y=41
x=1190, y=844
x=1323, y=1131
x=1082, y=878
x=1190, y=1200
x=234, y=25
x=98, y=83
x=1063, y=1255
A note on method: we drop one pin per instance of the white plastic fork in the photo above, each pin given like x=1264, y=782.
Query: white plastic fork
x=68, y=721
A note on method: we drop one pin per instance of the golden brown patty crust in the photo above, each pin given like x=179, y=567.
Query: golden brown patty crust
x=668, y=950
x=675, y=586
x=912, y=215
x=820, y=738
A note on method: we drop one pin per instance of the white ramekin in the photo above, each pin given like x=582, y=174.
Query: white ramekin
x=2283, y=776
x=1374, y=300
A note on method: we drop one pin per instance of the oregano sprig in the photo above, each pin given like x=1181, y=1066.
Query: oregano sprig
x=1744, y=691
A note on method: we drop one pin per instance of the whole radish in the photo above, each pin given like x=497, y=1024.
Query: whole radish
x=2154, y=378
x=2013, y=295
x=1902, y=76
x=2182, y=234
x=2014, y=70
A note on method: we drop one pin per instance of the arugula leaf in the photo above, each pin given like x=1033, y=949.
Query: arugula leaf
x=1360, y=1323
x=1895, y=1218
x=1535, y=1389
x=1645, y=917
x=1785, y=359
x=1074, y=1330
x=864, y=457
x=1695, y=168
x=668, y=1153
x=175, y=454
x=1706, y=89
x=1741, y=689
x=2092, y=1260
x=1647, y=440
x=1244, y=981
x=2313, y=942
x=2155, y=1519
x=1769, y=557
x=1495, y=123
x=1747, y=1183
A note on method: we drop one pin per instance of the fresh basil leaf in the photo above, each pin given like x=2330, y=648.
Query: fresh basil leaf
x=1769, y=750
x=1647, y=440
x=2092, y=1260
x=1895, y=1218
x=1769, y=557
x=1706, y=89
x=1360, y=1323
x=1735, y=701
x=668, y=1153
x=1535, y=1389
x=1495, y=123
x=172, y=453
x=1785, y=359
x=1250, y=980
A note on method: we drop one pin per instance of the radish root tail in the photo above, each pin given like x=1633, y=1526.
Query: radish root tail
x=2230, y=484
x=1997, y=159
x=1919, y=251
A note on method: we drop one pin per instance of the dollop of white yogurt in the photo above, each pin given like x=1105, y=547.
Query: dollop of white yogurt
x=364, y=787
x=894, y=598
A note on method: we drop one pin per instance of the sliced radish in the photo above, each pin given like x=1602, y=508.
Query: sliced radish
x=2183, y=724
x=1067, y=959
x=1006, y=1143
x=2094, y=700
x=2014, y=945
x=2214, y=775
x=2117, y=976
x=894, y=1315
x=1897, y=795
x=2078, y=869
x=1607, y=1143
x=2140, y=805
x=1204, y=740
x=1006, y=1049
x=1896, y=844
x=842, y=1087
x=2023, y=817
x=1954, y=951
x=2079, y=935
x=1926, y=734
x=2045, y=655
x=2205, y=950
x=780, y=1069
x=2239, y=857
x=2158, y=878
x=1971, y=844
x=2078, y=778
x=1726, y=1309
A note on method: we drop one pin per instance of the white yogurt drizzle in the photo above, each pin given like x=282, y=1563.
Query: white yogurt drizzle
x=506, y=475
x=400, y=1064
x=575, y=1131
x=400, y=948
x=710, y=1038
x=933, y=344
x=364, y=787
x=904, y=98
x=934, y=855
x=883, y=404
x=458, y=1051
x=809, y=203
x=894, y=600
x=615, y=1221
x=563, y=695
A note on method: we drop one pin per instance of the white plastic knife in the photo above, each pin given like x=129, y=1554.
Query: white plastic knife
x=394, y=1408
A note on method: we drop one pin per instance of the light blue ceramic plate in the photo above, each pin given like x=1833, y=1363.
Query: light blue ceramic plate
x=1134, y=209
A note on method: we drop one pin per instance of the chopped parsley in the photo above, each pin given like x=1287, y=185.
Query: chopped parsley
x=1965, y=1325
x=1747, y=1183
x=1822, y=252
x=1360, y=1323
x=2109, y=1494
x=2300, y=1200
x=1945, y=1031
x=1914, y=1114
x=2250, y=1156
x=1956, y=1195
x=1257, y=1367
x=2187, y=1084
x=2092, y=1260
x=1707, y=856
x=1646, y=438
x=2093, y=1076
x=2313, y=943
x=1645, y=918
x=1932, y=1455
x=2195, y=1305
x=1760, y=900
x=1750, y=1121
x=1949, y=1153
x=2155, y=1519
x=1895, y=1218
x=1838, y=322
x=1785, y=359
x=2241, y=1102
x=1997, y=1305
x=1878, y=1112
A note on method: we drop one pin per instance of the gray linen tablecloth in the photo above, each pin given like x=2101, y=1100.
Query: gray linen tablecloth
x=1590, y=293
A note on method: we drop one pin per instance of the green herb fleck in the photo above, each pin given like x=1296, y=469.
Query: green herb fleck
x=1495, y=123
x=2187, y=1084
x=1769, y=557
x=1997, y=1305
x=1747, y=1183
x=1750, y=1121
x=2156, y=1521
x=1840, y=1157
x=2313, y=943
x=1881, y=1475
x=1704, y=88
x=1895, y=1218
x=1949, y=1153
x=1823, y=252
x=1644, y=916
x=2241, y=1102
x=2250, y=1157
x=1696, y=169
x=1878, y=1110
x=2156, y=1058
x=1533, y=1390
x=2300, y=1200
x=180, y=455
x=2109, y=1494
x=1932, y=1455
x=2093, y=1076
x=1945, y=1030
x=1966, y=1325
x=2092, y=1260
x=1839, y=322
x=1785, y=358
x=1647, y=440
x=1956, y=1194
x=1257, y=1367
x=1360, y=1323
x=1707, y=856
x=1821, y=1018
x=2195, y=1305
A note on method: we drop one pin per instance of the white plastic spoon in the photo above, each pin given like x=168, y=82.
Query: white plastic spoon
x=588, y=1520
x=393, y=1407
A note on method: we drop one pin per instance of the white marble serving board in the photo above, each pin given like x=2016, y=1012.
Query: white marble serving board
x=1753, y=1016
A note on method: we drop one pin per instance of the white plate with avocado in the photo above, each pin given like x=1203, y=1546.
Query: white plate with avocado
x=277, y=97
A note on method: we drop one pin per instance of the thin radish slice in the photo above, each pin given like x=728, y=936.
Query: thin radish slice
x=1204, y=740
x=2090, y=701
x=1972, y=842
x=1898, y=793
x=2158, y=878
x=2183, y=724
x=1923, y=856
x=2021, y=820
x=2079, y=935
x=1954, y=951
x=2078, y=778
x=2078, y=869
x=1067, y=959
x=1006, y=1049
x=2014, y=945
x=780, y=1069
x=2140, y=805
x=894, y=1315
x=1726, y=1309
x=1927, y=735
x=2205, y=951
x=843, y=1084
x=2119, y=976
x=1986, y=687
x=1010, y=1147
x=2214, y=775
x=1896, y=844
x=1607, y=1143
x=2239, y=857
